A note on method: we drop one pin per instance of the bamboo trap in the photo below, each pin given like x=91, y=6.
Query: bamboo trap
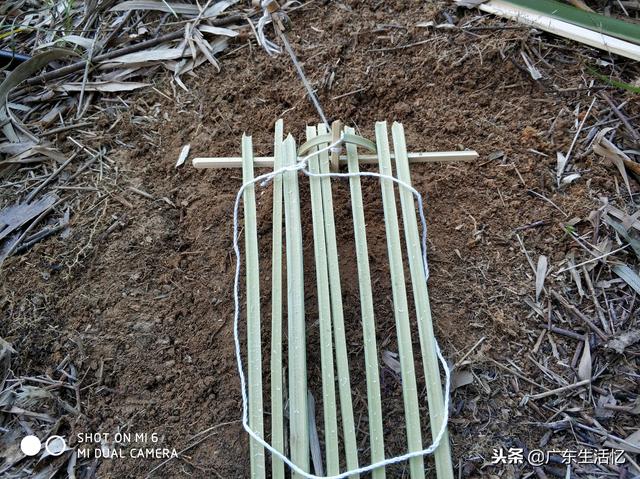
x=293, y=432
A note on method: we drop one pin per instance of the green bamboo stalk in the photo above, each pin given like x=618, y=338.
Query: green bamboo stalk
x=342, y=361
x=277, y=419
x=593, y=21
x=298, y=413
x=254, y=346
x=444, y=468
x=324, y=312
x=400, y=306
x=368, y=321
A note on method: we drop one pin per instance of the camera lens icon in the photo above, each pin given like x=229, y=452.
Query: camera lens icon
x=55, y=446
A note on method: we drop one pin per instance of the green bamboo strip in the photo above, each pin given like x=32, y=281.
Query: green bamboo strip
x=444, y=468
x=324, y=312
x=368, y=321
x=277, y=416
x=254, y=347
x=400, y=306
x=337, y=314
x=298, y=414
x=593, y=21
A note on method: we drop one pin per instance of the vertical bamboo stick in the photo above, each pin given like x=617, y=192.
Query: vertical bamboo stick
x=254, y=347
x=277, y=419
x=400, y=306
x=298, y=415
x=368, y=321
x=337, y=314
x=444, y=468
x=324, y=312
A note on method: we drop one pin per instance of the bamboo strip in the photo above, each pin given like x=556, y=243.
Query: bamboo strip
x=267, y=161
x=400, y=306
x=563, y=29
x=444, y=468
x=277, y=403
x=324, y=313
x=254, y=347
x=337, y=315
x=298, y=414
x=593, y=21
x=368, y=321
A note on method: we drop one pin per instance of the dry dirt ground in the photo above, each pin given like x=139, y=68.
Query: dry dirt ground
x=146, y=313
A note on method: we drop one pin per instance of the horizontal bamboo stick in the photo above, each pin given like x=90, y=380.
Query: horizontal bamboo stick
x=267, y=161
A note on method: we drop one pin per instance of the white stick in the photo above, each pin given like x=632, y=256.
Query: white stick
x=267, y=161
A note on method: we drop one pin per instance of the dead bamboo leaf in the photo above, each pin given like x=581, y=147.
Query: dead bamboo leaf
x=585, y=366
x=83, y=42
x=225, y=32
x=102, y=86
x=628, y=275
x=561, y=163
x=157, y=5
x=391, y=361
x=154, y=55
x=631, y=443
x=183, y=155
x=541, y=273
x=173, y=7
x=461, y=378
x=605, y=148
x=21, y=73
x=623, y=341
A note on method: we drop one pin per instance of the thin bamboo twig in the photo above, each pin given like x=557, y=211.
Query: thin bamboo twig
x=324, y=313
x=298, y=415
x=374, y=404
x=400, y=306
x=277, y=403
x=337, y=316
x=254, y=347
x=444, y=467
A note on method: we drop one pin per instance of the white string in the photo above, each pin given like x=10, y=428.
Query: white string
x=271, y=48
x=263, y=180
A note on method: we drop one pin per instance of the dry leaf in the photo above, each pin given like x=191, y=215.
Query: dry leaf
x=103, y=86
x=183, y=155
x=623, y=341
x=631, y=444
x=603, y=147
x=541, y=273
x=584, y=369
x=20, y=74
x=391, y=361
x=461, y=378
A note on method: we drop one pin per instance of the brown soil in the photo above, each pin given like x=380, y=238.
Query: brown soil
x=147, y=313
